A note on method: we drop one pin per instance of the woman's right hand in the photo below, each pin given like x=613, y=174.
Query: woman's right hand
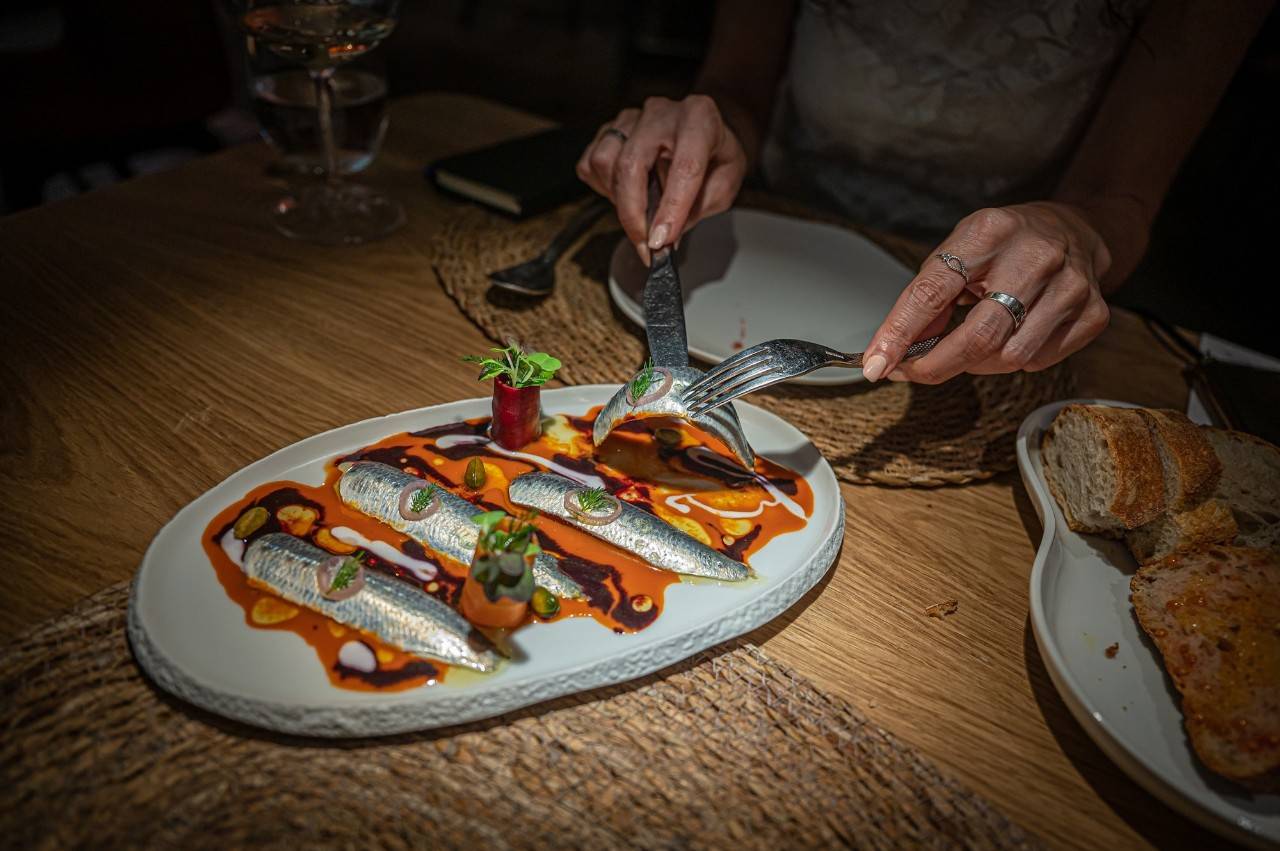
x=700, y=161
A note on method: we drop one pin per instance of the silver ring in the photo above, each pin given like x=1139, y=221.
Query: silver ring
x=614, y=131
x=955, y=264
x=1011, y=304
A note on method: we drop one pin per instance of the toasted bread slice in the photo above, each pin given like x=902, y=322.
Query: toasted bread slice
x=1250, y=484
x=1103, y=468
x=1213, y=614
x=1191, y=468
x=1210, y=522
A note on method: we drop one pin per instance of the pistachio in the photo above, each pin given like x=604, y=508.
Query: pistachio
x=250, y=522
x=668, y=437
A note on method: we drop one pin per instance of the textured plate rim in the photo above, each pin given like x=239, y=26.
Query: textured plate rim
x=406, y=712
x=635, y=313
x=1129, y=760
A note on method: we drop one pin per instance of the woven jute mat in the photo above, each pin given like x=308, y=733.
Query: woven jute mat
x=889, y=434
x=728, y=748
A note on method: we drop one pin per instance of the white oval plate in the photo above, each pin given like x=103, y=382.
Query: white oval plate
x=192, y=639
x=750, y=276
x=1079, y=607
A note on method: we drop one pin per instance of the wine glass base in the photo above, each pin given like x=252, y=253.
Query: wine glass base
x=337, y=215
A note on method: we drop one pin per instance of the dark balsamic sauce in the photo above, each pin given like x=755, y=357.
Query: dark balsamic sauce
x=380, y=678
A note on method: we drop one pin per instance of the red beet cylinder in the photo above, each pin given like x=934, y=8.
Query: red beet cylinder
x=517, y=415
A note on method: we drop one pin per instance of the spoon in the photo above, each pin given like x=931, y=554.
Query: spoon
x=537, y=277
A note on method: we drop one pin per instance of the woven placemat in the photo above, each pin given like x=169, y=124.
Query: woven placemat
x=890, y=434
x=728, y=748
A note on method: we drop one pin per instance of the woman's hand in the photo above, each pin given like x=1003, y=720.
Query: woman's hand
x=1047, y=255
x=699, y=158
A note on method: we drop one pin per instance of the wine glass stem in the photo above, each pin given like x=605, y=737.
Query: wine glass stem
x=323, y=81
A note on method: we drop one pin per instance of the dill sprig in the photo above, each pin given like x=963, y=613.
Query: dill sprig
x=422, y=498
x=592, y=499
x=643, y=381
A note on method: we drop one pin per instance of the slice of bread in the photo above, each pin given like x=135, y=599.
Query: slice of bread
x=1213, y=614
x=1191, y=468
x=1210, y=522
x=1250, y=484
x=1103, y=468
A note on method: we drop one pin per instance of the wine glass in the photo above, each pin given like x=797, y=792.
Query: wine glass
x=321, y=35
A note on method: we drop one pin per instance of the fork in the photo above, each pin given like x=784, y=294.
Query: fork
x=537, y=277
x=769, y=363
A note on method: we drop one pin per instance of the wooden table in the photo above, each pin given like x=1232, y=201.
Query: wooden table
x=160, y=336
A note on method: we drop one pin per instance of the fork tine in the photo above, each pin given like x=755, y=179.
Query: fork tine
x=711, y=383
x=734, y=360
x=728, y=385
x=764, y=380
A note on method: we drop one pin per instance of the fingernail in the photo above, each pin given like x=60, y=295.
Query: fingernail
x=658, y=236
x=897, y=375
x=643, y=251
x=873, y=367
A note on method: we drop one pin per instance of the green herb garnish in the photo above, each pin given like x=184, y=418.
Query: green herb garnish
x=423, y=498
x=520, y=368
x=643, y=381
x=592, y=499
x=350, y=567
x=502, y=567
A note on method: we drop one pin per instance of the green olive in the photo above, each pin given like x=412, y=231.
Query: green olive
x=545, y=604
x=668, y=437
x=475, y=476
x=250, y=522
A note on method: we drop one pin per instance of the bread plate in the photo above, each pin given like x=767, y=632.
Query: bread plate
x=194, y=642
x=1079, y=602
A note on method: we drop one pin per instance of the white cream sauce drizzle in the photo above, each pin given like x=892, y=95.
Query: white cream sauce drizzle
x=448, y=441
x=706, y=456
x=358, y=656
x=233, y=547
x=423, y=571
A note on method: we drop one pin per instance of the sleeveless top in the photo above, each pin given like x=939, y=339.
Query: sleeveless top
x=909, y=115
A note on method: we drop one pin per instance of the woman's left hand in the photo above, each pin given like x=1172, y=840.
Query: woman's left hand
x=1045, y=254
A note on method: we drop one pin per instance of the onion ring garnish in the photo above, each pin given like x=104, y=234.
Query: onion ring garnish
x=327, y=571
x=406, y=501
x=656, y=390
x=591, y=518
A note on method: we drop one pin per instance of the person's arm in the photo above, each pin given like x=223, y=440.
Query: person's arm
x=1164, y=92
x=704, y=144
x=1057, y=257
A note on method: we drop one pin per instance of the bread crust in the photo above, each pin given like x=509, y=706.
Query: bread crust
x=1189, y=451
x=1139, y=496
x=1210, y=522
x=1212, y=613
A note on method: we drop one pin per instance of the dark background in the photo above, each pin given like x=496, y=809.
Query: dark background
x=98, y=91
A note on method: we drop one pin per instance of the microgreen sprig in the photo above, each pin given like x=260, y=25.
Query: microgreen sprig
x=520, y=368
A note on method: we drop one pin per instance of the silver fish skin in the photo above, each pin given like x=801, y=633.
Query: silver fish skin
x=395, y=611
x=635, y=530
x=722, y=423
x=374, y=488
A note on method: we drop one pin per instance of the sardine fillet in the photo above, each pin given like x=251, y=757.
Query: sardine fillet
x=635, y=530
x=395, y=611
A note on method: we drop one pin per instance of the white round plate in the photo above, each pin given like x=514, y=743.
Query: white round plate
x=750, y=276
x=1079, y=607
x=192, y=639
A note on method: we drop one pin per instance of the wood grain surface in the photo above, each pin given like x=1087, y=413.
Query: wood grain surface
x=159, y=336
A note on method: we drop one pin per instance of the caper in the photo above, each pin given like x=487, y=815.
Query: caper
x=544, y=603
x=250, y=522
x=668, y=437
x=475, y=476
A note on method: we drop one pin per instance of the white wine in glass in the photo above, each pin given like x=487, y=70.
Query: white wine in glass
x=321, y=36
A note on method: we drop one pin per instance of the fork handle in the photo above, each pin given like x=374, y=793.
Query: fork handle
x=915, y=350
